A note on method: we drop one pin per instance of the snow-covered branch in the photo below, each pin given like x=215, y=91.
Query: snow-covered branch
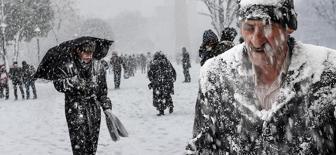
x=222, y=13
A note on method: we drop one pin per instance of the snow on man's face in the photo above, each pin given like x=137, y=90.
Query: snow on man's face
x=266, y=41
x=86, y=56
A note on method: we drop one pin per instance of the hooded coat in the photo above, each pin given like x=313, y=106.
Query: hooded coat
x=228, y=120
x=162, y=76
x=209, y=38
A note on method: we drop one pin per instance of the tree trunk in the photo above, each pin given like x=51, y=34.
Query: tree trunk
x=17, y=42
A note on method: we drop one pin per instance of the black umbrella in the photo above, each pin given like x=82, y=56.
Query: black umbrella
x=53, y=64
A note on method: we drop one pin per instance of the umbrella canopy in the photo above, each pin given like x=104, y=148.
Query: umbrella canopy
x=54, y=63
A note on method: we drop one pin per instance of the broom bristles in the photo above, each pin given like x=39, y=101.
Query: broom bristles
x=112, y=127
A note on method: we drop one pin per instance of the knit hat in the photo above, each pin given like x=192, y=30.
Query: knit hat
x=279, y=11
x=24, y=63
x=209, y=37
x=228, y=34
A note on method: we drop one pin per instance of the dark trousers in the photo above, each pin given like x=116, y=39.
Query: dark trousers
x=162, y=99
x=83, y=119
x=117, y=77
x=186, y=75
x=19, y=84
x=4, y=87
x=31, y=84
x=143, y=69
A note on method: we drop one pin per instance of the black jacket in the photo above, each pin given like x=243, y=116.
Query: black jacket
x=28, y=72
x=15, y=74
x=95, y=88
x=116, y=62
x=186, y=60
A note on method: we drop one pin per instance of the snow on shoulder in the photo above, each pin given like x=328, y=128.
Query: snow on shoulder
x=214, y=66
x=316, y=57
x=247, y=3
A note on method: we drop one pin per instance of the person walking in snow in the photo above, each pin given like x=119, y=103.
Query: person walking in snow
x=28, y=71
x=143, y=63
x=78, y=70
x=116, y=63
x=186, y=64
x=208, y=47
x=15, y=74
x=162, y=76
x=269, y=95
x=4, y=82
x=82, y=91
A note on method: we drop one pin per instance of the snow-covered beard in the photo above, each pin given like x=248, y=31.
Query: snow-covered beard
x=270, y=52
x=267, y=48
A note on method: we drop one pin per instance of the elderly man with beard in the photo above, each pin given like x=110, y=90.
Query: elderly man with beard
x=269, y=95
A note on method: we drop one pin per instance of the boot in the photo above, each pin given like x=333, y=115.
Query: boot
x=171, y=110
x=161, y=112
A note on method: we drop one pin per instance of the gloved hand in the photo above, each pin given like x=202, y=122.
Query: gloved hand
x=76, y=82
x=114, y=125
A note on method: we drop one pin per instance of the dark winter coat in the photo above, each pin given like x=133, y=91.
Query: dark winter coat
x=15, y=74
x=95, y=79
x=228, y=120
x=116, y=63
x=162, y=74
x=210, y=39
x=28, y=72
x=186, y=60
x=82, y=104
x=84, y=86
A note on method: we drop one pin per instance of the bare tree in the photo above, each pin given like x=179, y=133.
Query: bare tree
x=66, y=20
x=221, y=12
x=326, y=9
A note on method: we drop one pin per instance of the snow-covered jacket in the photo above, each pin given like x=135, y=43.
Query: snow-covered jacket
x=161, y=74
x=228, y=120
x=95, y=87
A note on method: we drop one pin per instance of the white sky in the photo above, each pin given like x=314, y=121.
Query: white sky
x=110, y=8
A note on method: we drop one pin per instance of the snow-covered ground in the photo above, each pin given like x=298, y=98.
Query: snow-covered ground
x=39, y=127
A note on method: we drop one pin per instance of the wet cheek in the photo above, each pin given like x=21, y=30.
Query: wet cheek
x=247, y=36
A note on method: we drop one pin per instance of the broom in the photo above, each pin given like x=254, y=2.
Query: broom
x=115, y=127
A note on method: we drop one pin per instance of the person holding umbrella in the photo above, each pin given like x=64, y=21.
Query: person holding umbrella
x=76, y=69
